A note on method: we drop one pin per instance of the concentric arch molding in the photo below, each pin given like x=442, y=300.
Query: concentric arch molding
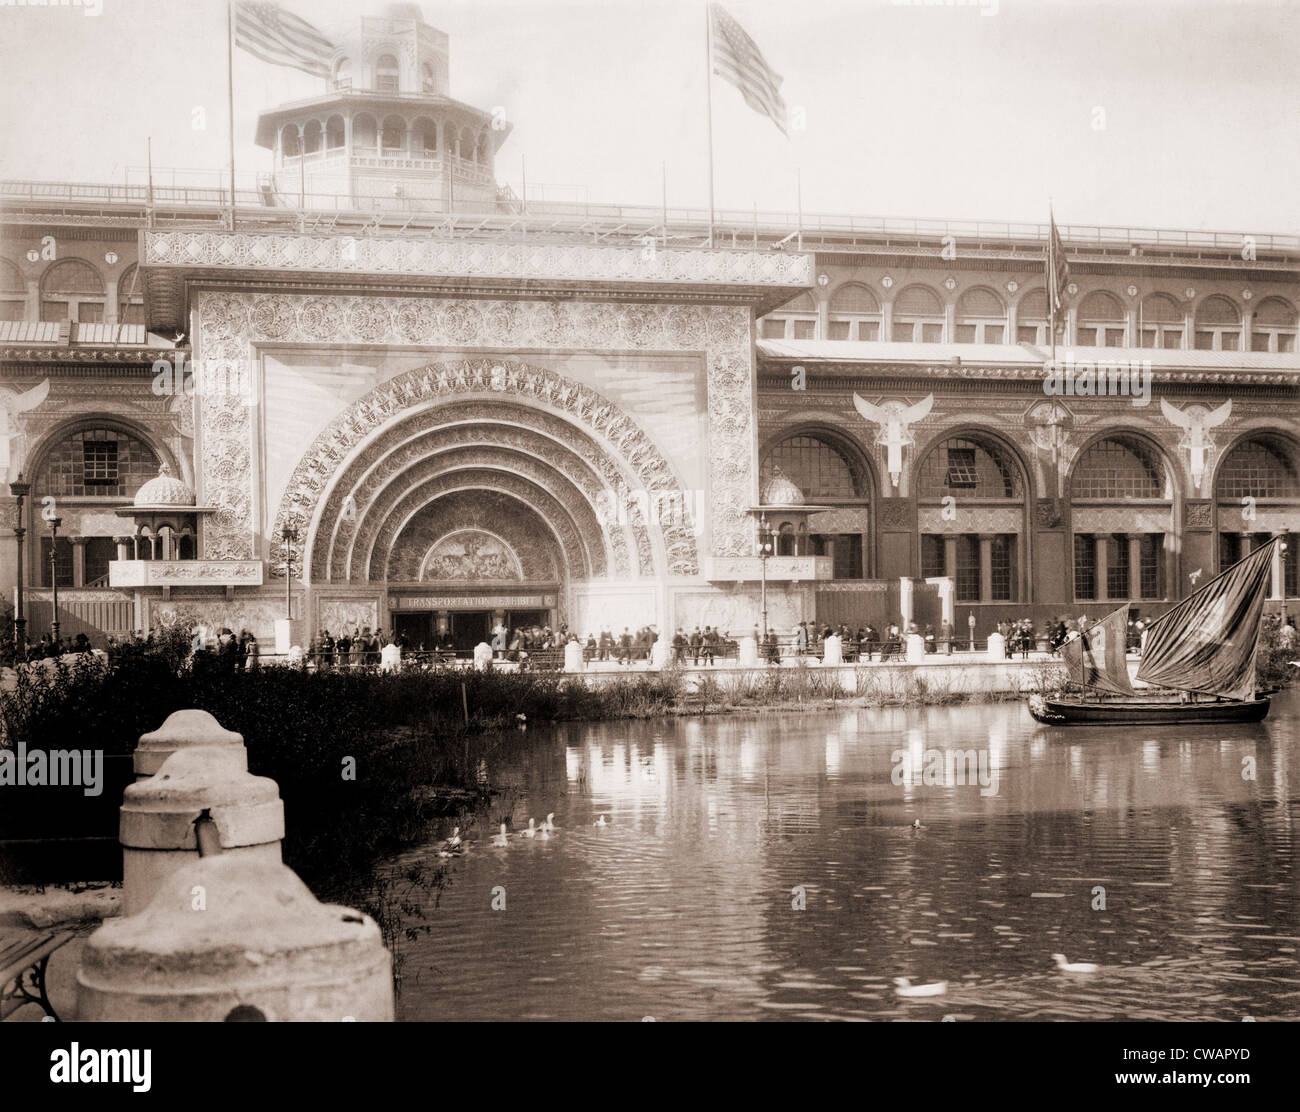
x=232, y=325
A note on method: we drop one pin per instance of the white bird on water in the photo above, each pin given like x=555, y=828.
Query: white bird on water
x=600, y=822
x=503, y=839
x=549, y=824
x=531, y=832
x=904, y=987
x=1073, y=966
x=452, y=846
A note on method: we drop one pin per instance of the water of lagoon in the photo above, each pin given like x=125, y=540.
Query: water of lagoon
x=683, y=906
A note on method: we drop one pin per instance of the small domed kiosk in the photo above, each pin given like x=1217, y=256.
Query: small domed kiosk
x=166, y=519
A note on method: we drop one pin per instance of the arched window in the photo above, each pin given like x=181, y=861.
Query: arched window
x=72, y=290
x=13, y=292
x=365, y=133
x=984, y=564
x=95, y=463
x=817, y=468
x=481, y=149
x=1266, y=468
x=312, y=137
x=1100, y=321
x=918, y=316
x=854, y=313
x=969, y=468
x=1119, y=565
x=795, y=320
x=386, y=74
x=289, y=141
x=981, y=318
x=1261, y=467
x=1218, y=325
x=428, y=82
x=426, y=136
x=466, y=150
x=824, y=473
x=335, y=133
x=1120, y=468
x=393, y=136
x=342, y=74
x=130, y=297
x=1161, y=321
x=1274, y=326
x=1031, y=319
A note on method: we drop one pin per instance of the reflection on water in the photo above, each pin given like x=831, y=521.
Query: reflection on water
x=684, y=906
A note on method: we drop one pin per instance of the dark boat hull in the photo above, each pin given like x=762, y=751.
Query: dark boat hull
x=1139, y=712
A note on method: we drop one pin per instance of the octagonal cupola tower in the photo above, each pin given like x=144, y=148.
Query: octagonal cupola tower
x=385, y=134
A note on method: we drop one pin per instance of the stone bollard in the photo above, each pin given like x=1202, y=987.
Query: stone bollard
x=159, y=814
x=915, y=648
x=184, y=729
x=832, y=651
x=482, y=656
x=230, y=938
x=748, y=657
x=573, y=657
x=997, y=647
x=390, y=658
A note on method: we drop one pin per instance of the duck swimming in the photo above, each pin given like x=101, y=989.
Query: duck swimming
x=501, y=840
x=904, y=987
x=1073, y=966
x=531, y=832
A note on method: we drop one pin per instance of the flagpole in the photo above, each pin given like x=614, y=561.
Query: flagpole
x=230, y=100
x=708, y=87
x=1051, y=277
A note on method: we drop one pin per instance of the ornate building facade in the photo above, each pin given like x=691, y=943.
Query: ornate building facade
x=440, y=407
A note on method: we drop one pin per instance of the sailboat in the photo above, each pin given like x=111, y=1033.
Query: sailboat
x=1198, y=658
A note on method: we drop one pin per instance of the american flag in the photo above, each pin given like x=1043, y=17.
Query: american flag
x=738, y=59
x=281, y=38
x=1058, y=271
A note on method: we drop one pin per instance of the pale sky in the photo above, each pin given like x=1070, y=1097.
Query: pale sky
x=911, y=110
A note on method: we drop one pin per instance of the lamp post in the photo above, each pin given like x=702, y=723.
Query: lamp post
x=55, y=522
x=764, y=551
x=20, y=490
x=1281, y=555
x=290, y=536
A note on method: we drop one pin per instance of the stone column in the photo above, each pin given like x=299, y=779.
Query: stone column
x=123, y=548
x=949, y=323
x=1278, y=582
x=1243, y=549
x=1103, y=566
x=887, y=320
x=1247, y=320
x=986, y=567
x=1135, y=565
x=79, y=561
x=1013, y=323
x=950, y=555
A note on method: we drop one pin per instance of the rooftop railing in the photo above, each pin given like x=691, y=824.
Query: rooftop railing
x=675, y=225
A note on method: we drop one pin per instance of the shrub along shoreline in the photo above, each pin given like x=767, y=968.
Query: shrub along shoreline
x=418, y=740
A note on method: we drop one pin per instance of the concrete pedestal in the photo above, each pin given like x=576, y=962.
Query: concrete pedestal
x=915, y=648
x=832, y=650
x=482, y=656
x=159, y=817
x=286, y=635
x=661, y=653
x=232, y=939
x=573, y=657
x=997, y=647
x=748, y=653
x=184, y=729
x=390, y=658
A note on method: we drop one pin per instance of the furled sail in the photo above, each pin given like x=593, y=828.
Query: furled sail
x=1207, y=642
x=1096, y=657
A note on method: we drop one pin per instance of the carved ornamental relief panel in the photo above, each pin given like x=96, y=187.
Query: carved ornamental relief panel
x=231, y=325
